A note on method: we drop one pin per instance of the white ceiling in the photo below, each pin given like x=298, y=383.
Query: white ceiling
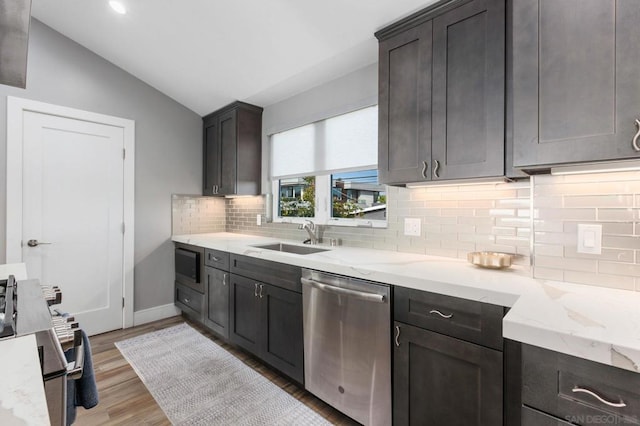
x=207, y=53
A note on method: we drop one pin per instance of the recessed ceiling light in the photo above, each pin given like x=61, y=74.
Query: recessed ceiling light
x=118, y=7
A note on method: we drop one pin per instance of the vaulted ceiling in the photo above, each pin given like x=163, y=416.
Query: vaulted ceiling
x=207, y=53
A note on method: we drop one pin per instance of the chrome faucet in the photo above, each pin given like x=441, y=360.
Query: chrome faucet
x=310, y=227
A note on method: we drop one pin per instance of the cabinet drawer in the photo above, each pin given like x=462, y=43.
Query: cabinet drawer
x=579, y=390
x=278, y=274
x=474, y=322
x=216, y=259
x=531, y=417
x=189, y=298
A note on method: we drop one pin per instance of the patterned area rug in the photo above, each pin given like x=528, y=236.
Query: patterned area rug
x=196, y=382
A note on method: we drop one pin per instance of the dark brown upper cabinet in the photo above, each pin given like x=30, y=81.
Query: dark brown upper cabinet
x=442, y=93
x=232, y=150
x=576, y=90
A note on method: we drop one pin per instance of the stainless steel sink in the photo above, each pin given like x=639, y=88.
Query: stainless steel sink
x=290, y=248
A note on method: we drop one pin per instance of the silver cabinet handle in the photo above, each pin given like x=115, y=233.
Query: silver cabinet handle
x=35, y=243
x=397, y=336
x=424, y=169
x=224, y=279
x=261, y=286
x=255, y=291
x=635, y=138
x=436, y=166
x=435, y=311
x=369, y=297
x=620, y=404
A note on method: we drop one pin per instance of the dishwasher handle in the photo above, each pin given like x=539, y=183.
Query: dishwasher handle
x=361, y=295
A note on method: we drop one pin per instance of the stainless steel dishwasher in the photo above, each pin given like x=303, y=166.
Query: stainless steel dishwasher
x=347, y=344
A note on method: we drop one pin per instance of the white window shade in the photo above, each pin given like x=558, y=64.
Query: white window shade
x=345, y=142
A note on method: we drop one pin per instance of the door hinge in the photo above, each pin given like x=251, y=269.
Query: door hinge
x=124, y=153
x=123, y=227
x=123, y=302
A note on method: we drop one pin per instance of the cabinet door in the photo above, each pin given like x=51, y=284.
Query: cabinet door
x=227, y=133
x=531, y=417
x=468, y=91
x=440, y=380
x=244, y=325
x=404, y=108
x=576, y=90
x=211, y=155
x=217, y=318
x=281, y=318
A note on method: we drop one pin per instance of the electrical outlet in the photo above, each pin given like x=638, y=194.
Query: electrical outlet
x=589, y=239
x=412, y=226
x=259, y=220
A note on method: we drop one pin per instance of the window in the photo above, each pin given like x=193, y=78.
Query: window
x=327, y=171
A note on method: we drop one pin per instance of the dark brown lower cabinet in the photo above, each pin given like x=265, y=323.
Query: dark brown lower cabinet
x=576, y=391
x=244, y=324
x=267, y=321
x=442, y=380
x=531, y=417
x=217, y=316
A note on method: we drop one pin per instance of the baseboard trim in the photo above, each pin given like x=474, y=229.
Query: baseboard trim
x=154, y=314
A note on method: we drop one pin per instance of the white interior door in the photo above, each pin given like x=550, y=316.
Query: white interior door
x=73, y=180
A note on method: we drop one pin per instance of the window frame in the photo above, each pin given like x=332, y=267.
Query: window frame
x=323, y=189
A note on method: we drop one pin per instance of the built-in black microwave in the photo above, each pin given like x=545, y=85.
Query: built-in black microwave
x=187, y=267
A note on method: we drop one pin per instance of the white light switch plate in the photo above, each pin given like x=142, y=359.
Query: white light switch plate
x=589, y=239
x=412, y=226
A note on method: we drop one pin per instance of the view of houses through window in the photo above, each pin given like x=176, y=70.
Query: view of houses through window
x=358, y=195
x=298, y=197
x=354, y=195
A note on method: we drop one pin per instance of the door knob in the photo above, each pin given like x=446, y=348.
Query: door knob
x=35, y=243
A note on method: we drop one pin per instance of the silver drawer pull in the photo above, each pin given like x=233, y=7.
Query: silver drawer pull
x=255, y=291
x=224, y=279
x=397, y=335
x=434, y=311
x=186, y=300
x=215, y=259
x=261, y=285
x=635, y=138
x=620, y=404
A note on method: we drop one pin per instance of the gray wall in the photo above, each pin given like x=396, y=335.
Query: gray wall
x=168, y=144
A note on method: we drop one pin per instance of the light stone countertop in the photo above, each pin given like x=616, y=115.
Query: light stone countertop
x=19, y=270
x=594, y=323
x=22, y=397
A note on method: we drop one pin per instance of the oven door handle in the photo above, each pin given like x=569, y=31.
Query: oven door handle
x=361, y=295
x=78, y=365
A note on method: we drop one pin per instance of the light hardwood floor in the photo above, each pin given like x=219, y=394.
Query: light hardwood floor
x=124, y=399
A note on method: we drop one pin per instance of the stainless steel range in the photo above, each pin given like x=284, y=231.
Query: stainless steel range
x=24, y=309
x=347, y=344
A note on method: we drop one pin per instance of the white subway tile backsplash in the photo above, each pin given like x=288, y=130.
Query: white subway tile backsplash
x=610, y=201
x=627, y=214
x=542, y=213
x=194, y=214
